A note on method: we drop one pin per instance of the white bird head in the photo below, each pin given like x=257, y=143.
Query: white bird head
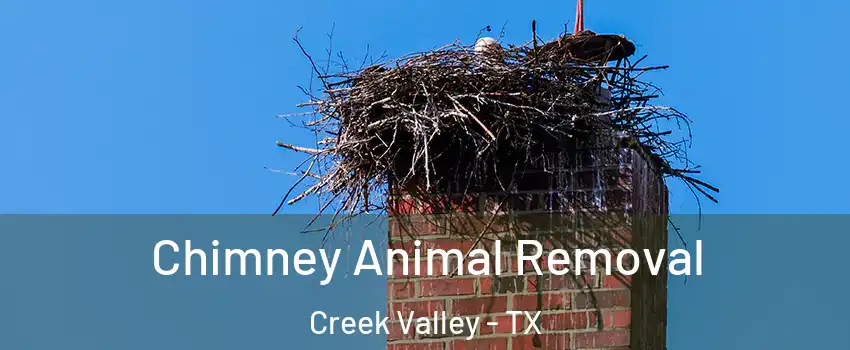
x=486, y=43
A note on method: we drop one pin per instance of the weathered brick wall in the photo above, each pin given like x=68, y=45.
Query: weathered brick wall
x=579, y=312
x=649, y=231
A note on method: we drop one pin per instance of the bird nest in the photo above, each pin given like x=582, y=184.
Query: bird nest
x=457, y=120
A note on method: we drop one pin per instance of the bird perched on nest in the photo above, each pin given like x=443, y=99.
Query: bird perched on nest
x=486, y=44
x=489, y=50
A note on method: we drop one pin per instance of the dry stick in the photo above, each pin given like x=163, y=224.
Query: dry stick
x=310, y=190
x=310, y=58
x=480, y=235
x=282, y=201
x=534, y=35
x=468, y=113
x=427, y=160
x=307, y=150
x=431, y=64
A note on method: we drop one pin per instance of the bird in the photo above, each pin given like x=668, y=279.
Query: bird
x=489, y=53
x=485, y=44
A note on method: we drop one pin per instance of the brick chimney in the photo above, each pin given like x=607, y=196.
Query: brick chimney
x=562, y=203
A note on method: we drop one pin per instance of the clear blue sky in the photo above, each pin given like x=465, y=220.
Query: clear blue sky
x=169, y=107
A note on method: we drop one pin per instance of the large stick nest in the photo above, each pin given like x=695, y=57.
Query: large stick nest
x=451, y=120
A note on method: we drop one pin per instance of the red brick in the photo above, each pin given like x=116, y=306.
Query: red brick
x=601, y=299
x=503, y=267
x=508, y=285
x=417, y=346
x=617, y=281
x=599, y=339
x=560, y=283
x=522, y=342
x=400, y=290
x=410, y=227
x=401, y=207
x=486, y=284
x=479, y=306
x=446, y=244
x=444, y=204
x=507, y=260
x=564, y=321
x=505, y=325
x=408, y=206
x=622, y=238
x=551, y=301
x=616, y=318
x=438, y=271
x=547, y=341
x=419, y=308
x=480, y=344
x=447, y=286
x=397, y=333
x=528, y=267
x=555, y=341
x=571, y=319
